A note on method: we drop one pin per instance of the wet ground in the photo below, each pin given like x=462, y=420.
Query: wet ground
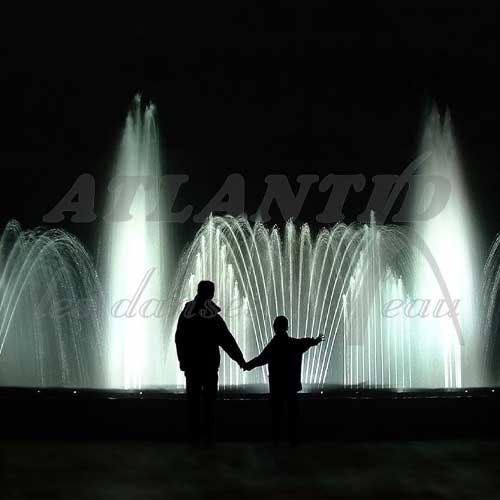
x=464, y=469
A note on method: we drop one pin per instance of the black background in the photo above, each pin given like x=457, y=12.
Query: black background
x=292, y=89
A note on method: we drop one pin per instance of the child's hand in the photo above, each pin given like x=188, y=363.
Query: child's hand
x=319, y=339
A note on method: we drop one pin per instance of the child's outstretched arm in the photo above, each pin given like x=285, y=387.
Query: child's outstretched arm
x=262, y=359
x=309, y=342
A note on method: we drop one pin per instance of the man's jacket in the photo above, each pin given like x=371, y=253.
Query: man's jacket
x=200, y=333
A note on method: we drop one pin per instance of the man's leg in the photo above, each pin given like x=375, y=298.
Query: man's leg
x=210, y=383
x=193, y=391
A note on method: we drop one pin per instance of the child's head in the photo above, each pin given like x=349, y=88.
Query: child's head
x=280, y=325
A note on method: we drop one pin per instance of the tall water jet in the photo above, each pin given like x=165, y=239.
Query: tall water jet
x=450, y=352
x=50, y=310
x=136, y=257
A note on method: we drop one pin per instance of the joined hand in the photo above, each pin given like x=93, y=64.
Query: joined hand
x=319, y=339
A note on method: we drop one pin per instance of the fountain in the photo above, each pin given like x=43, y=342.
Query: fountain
x=361, y=285
x=50, y=310
x=490, y=314
x=453, y=355
x=135, y=260
x=341, y=282
x=334, y=284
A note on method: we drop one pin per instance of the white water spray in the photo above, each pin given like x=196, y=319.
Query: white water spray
x=451, y=358
x=135, y=258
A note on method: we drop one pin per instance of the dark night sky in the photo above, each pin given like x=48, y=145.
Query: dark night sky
x=250, y=90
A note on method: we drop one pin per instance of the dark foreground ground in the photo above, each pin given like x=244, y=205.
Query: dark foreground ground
x=126, y=469
x=57, y=414
x=75, y=444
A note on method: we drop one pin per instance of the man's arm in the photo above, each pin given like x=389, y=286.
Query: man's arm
x=229, y=344
x=180, y=341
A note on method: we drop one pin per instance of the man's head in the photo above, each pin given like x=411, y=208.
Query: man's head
x=206, y=290
x=280, y=325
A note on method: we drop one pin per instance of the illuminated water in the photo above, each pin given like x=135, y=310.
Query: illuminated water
x=50, y=299
x=452, y=352
x=490, y=315
x=60, y=327
x=341, y=282
x=135, y=259
x=335, y=283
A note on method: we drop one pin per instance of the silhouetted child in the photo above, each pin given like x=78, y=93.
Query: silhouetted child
x=283, y=354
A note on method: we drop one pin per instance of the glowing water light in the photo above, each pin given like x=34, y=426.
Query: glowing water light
x=50, y=310
x=335, y=284
x=335, y=281
x=339, y=282
x=490, y=315
x=449, y=361
x=136, y=257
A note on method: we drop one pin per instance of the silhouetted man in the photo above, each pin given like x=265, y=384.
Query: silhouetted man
x=283, y=354
x=200, y=333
